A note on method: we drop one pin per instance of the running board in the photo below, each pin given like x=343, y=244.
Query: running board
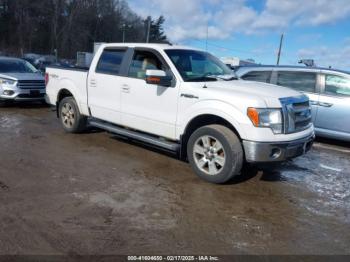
x=172, y=146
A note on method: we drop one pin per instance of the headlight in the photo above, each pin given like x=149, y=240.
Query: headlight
x=7, y=82
x=265, y=117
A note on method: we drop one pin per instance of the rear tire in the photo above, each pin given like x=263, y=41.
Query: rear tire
x=215, y=153
x=71, y=119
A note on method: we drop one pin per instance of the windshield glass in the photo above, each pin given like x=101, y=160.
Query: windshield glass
x=16, y=66
x=197, y=65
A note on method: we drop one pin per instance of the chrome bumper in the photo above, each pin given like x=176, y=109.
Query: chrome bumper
x=275, y=152
x=25, y=95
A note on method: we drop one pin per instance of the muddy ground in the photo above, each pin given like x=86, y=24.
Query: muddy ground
x=95, y=193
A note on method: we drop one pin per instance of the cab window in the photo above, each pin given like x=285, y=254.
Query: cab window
x=110, y=62
x=143, y=61
x=299, y=81
x=259, y=76
x=337, y=85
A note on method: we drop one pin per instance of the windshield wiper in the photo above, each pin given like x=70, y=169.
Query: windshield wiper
x=225, y=77
x=203, y=79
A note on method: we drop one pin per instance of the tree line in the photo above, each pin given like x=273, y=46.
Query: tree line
x=69, y=26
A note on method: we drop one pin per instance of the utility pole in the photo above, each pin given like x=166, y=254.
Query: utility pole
x=123, y=28
x=148, y=29
x=279, y=50
x=56, y=55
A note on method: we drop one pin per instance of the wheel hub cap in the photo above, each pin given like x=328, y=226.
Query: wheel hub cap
x=68, y=115
x=209, y=155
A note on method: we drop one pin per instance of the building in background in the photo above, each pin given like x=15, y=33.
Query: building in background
x=234, y=62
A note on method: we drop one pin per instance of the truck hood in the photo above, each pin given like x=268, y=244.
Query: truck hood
x=269, y=93
x=22, y=76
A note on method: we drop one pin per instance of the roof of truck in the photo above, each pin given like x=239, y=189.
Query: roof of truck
x=150, y=45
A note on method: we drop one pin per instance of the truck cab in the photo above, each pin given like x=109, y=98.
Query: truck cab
x=184, y=100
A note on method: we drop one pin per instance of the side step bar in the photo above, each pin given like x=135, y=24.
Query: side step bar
x=172, y=146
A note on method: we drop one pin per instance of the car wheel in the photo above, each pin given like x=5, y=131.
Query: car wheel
x=215, y=153
x=71, y=119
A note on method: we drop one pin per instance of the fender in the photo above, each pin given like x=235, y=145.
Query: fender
x=212, y=107
x=79, y=96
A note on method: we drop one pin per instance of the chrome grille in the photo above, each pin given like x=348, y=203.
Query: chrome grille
x=31, y=84
x=296, y=113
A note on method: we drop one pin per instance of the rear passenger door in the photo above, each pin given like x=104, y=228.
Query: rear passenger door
x=305, y=82
x=334, y=103
x=104, y=85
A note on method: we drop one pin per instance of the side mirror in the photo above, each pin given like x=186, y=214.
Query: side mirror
x=158, y=77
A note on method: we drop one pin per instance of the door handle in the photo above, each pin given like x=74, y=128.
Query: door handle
x=314, y=103
x=93, y=82
x=324, y=104
x=126, y=89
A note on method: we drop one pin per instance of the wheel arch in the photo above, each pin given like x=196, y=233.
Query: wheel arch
x=62, y=93
x=200, y=121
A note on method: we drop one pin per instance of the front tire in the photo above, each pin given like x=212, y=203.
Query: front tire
x=215, y=153
x=71, y=119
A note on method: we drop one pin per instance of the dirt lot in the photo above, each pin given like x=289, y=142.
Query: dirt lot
x=97, y=194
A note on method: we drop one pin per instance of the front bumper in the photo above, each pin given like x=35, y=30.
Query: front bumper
x=259, y=152
x=24, y=94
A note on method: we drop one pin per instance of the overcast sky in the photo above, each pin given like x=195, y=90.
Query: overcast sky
x=318, y=29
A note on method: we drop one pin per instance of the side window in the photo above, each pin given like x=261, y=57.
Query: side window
x=142, y=61
x=110, y=61
x=300, y=81
x=337, y=85
x=259, y=76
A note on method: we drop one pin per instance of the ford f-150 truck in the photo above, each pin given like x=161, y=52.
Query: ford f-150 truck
x=183, y=100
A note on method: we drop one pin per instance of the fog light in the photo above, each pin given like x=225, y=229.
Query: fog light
x=8, y=92
x=275, y=153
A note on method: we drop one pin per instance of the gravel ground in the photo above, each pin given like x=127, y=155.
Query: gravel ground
x=95, y=193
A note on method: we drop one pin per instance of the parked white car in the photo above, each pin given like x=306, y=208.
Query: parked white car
x=184, y=100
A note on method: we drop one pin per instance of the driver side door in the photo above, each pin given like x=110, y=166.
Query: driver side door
x=147, y=107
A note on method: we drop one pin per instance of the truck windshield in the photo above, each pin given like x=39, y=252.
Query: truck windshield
x=198, y=66
x=16, y=66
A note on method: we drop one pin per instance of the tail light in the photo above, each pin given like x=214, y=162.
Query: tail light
x=46, y=79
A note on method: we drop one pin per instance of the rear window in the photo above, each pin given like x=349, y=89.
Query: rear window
x=110, y=62
x=300, y=81
x=259, y=76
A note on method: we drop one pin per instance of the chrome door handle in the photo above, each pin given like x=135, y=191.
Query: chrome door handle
x=314, y=103
x=324, y=104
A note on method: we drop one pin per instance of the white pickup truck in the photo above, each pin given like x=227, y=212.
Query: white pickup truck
x=184, y=100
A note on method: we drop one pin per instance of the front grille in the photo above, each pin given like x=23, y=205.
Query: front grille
x=31, y=96
x=31, y=84
x=296, y=113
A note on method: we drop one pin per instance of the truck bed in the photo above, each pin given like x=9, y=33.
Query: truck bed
x=73, y=79
x=75, y=68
